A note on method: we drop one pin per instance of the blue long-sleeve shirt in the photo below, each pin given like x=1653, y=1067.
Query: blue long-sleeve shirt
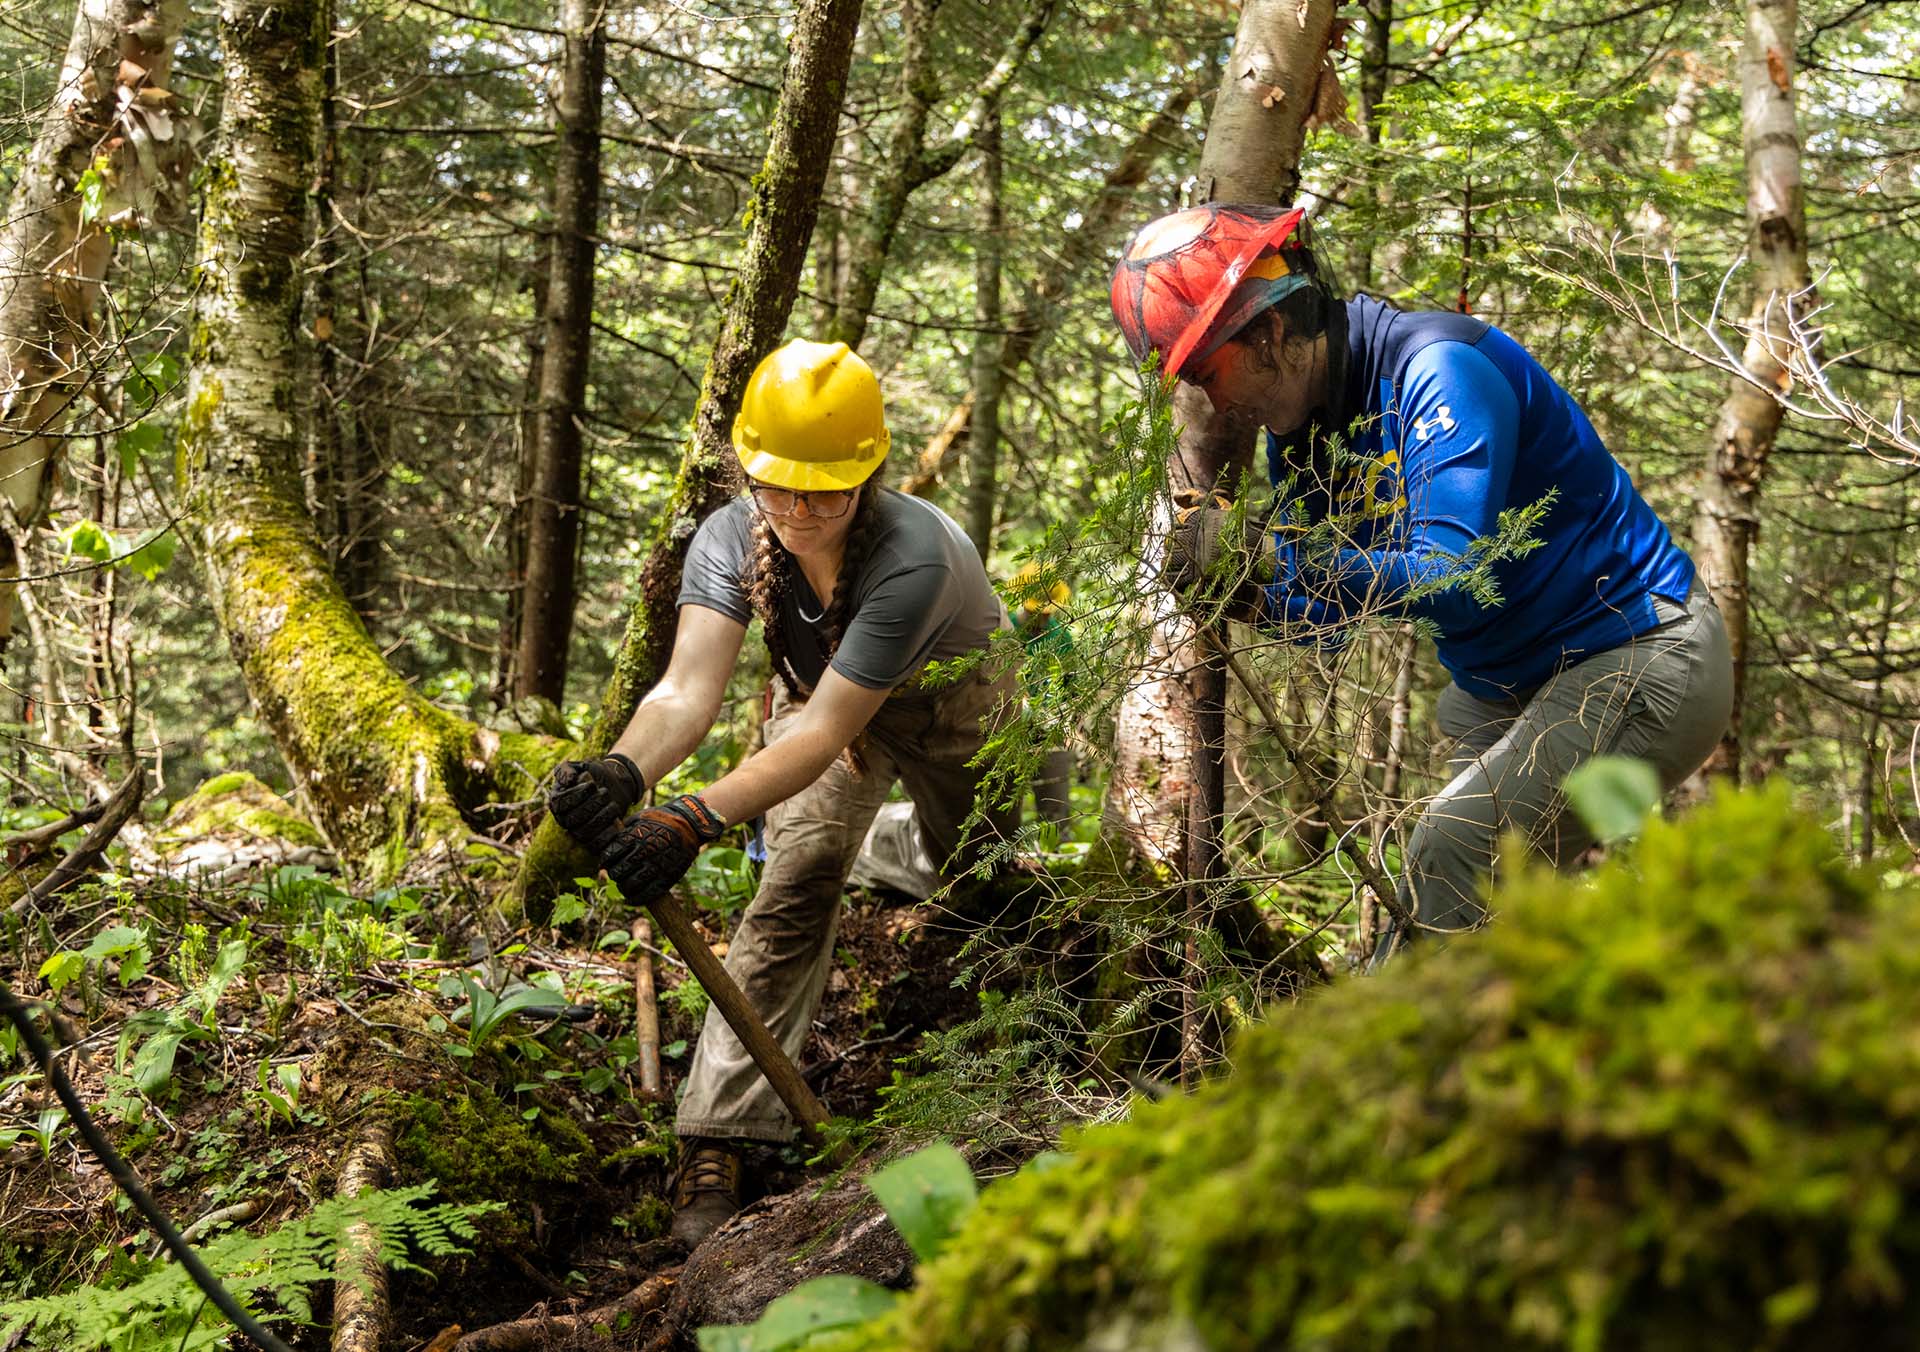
x=1450, y=422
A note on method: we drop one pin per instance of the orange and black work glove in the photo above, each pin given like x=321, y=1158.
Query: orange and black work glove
x=588, y=798
x=654, y=848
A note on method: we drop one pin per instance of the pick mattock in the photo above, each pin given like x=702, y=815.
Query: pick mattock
x=741, y=1016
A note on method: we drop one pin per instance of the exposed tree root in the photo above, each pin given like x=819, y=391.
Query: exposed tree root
x=543, y=1330
x=361, y=1310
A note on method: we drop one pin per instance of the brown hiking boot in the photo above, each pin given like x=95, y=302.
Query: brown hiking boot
x=706, y=1190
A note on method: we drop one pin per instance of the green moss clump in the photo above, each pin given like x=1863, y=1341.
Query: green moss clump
x=479, y=1152
x=237, y=803
x=646, y=1219
x=1675, y=1105
x=524, y=761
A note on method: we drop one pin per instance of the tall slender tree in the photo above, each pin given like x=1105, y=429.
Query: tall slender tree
x=1029, y=324
x=1743, y=437
x=911, y=162
x=989, y=343
x=382, y=772
x=553, y=504
x=1162, y=775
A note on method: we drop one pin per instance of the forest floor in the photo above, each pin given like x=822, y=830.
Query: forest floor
x=240, y=1039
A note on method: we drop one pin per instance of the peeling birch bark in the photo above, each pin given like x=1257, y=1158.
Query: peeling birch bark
x=1252, y=154
x=111, y=115
x=1749, y=421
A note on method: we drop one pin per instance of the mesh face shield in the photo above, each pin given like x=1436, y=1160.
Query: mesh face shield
x=1189, y=281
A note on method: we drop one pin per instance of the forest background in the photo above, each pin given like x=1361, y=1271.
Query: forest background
x=523, y=226
x=1484, y=143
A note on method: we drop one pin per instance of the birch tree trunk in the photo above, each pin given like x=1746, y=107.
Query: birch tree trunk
x=1750, y=418
x=381, y=772
x=1252, y=154
x=112, y=105
x=553, y=509
x=786, y=203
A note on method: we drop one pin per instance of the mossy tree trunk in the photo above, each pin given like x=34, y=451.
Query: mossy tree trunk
x=53, y=262
x=1252, y=154
x=381, y=772
x=780, y=221
x=1750, y=419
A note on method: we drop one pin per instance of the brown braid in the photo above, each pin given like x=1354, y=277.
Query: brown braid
x=772, y=578
x=860, y=536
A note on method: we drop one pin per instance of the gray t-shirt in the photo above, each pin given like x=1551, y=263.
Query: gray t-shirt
x=922, y=594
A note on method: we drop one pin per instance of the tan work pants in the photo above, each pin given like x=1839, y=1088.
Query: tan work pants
x=784, y=948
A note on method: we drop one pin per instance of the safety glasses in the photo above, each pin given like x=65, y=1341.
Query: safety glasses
x=828, y=504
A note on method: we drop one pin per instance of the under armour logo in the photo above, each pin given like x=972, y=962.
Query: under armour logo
x=1443, y=420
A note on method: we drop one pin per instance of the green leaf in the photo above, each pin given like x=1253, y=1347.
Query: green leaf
x=153, y=1063
x=62, y=969
x=154, y=554
x=125, y=943
x=152, y=378
x=89, y=540
x=813, y=1307
x=1614, y=795
x=927, y=1195
x=567, y=908
x=93, y=191
x=136, y=443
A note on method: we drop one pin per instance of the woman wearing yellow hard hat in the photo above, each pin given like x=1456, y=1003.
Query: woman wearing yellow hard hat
x=858, y=587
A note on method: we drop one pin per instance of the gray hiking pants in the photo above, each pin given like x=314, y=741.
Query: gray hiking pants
x=783, y=950
x=1663, y=697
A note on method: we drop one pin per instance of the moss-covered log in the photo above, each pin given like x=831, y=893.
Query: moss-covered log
x=780, y=220
x=1671, y=1106
x=379, y=770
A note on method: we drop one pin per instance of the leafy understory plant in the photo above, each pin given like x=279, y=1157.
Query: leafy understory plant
x=484, y=1012
x=926, y=1195
x=152, y=1305
x=158, y=1034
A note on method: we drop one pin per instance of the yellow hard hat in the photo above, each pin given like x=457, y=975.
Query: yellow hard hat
x=1026, y=582
x=811, y=419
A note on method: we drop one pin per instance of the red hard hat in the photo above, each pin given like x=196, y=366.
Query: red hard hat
x=1190, y=280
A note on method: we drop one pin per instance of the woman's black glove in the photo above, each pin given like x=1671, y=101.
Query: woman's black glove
x=588, y=798
x=655, y=847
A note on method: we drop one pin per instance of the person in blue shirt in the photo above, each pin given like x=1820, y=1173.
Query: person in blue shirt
x=1398, y=444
